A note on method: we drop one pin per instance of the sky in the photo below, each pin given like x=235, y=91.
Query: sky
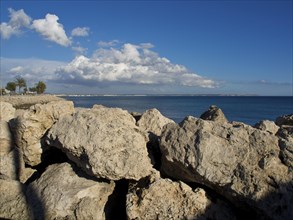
x=149, y=47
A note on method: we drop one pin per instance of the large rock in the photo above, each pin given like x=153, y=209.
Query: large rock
x=268, y=126
x=31, y=126
x=61, y=193
x=214, y=114
x=240, y=162
x=164, y=199
x=13, y=204
x=105, y=142
x=285, y=120
x=286, y=146
x=152, y=121
x=6, y=140
x=11, y=160
x=7, y=111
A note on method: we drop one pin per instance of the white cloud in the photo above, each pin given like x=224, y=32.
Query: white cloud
x=31, y=69
x=51, y=29
x=108, y=43
x=18, y=20
x=16, y=70
x=80, y=31
x=79, y=50
x=130, y=64
x=146, y=45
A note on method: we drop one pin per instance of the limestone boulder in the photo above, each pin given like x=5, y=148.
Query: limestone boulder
x=7, y=111
x=165, y=199
x=62, y=192
x=152, y=121
x=284, y=120
x=286, y=146
x=104, y=142
x=13, y=204
x=11, y=161
x=239, y=162
x=268, y=126
x=29, y=127
x=12, y=167
x=6, y=140
x=214, y=113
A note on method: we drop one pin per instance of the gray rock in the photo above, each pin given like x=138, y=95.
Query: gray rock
x=285, y=120
x=164, y=199
x=268, y=126
x=286, y=146
x=7, y=111
x=12, y=164
x=13, y=203
x=61, y=193
x=104, y=142
x=6, y=140
x=214, y=114
x=12, y=167
x=29, y=127
x=152, y=121
x=240, y=162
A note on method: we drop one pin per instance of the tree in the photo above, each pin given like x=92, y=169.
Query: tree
x=20, y=82
x=11, y=86
x=41, y=87
x=33, y=89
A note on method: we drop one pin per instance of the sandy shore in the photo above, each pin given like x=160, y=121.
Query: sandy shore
x=25, y=101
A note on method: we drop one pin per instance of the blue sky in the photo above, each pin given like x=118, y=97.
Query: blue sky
x=149, y=47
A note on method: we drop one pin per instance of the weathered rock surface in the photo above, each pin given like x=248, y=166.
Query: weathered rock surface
x=13, y=203
x=267, y=125
x=104, y=142
x=152, y=121
x=240, y=162
x=25, y=101
x=285, y=120
x=214, y=114
x=164, y=199
x=5, y=137
x=7, y=111
x=286, y=146
x=11, y=161
x=30, y=127
x=61, y=193
x=12, y=167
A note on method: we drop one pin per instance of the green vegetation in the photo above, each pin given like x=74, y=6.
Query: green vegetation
x=20, y=82
x=11, y=86
x=41, y=87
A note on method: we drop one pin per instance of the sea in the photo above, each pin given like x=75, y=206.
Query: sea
x=247, y=109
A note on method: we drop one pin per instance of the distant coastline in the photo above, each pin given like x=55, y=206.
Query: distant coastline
x=214, y=95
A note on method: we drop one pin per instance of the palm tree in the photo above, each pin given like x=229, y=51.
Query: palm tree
x=20, y=82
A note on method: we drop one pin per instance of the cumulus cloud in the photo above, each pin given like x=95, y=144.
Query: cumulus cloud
x=111, y=43
x=80, y=31
x=79, y=50
x=51, y=29
x=135, y=64
x=32, y=69
x=16, y=70
x=18, y=20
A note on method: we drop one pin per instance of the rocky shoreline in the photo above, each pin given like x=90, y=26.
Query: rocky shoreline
x=61, y=162
x=25, y=101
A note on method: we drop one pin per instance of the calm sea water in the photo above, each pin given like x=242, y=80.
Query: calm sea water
x=249, y=110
